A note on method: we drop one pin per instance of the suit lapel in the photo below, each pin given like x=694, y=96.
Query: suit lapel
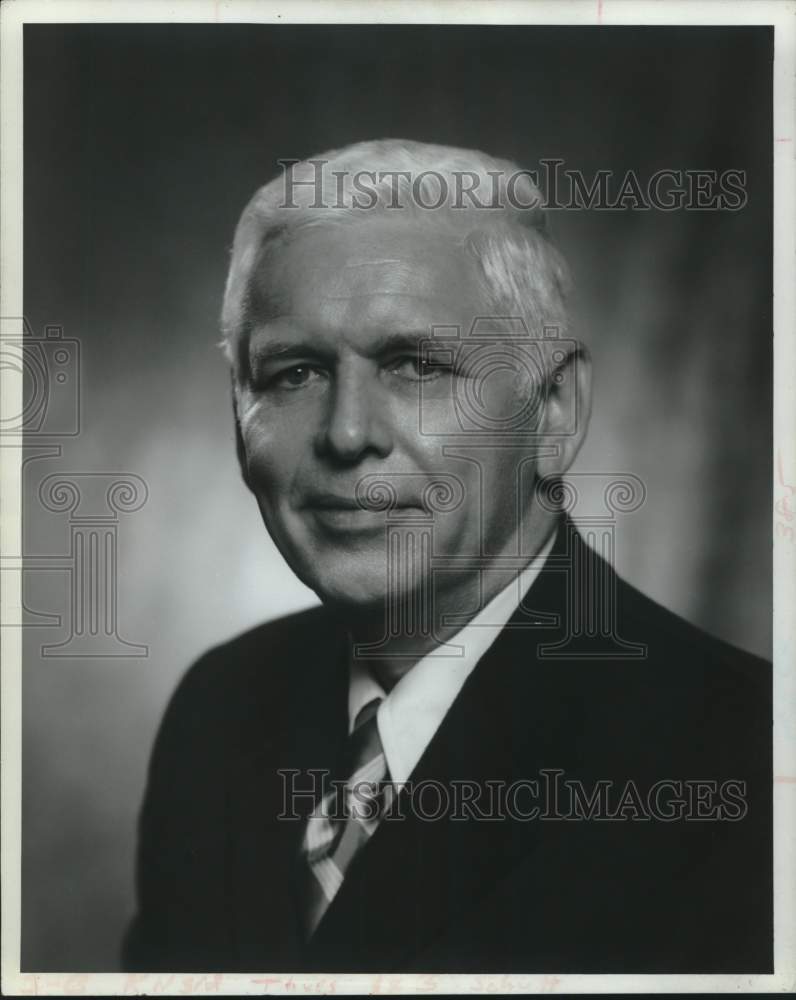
x=418, y=875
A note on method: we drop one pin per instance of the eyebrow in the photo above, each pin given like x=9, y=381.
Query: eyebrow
x=261, y=351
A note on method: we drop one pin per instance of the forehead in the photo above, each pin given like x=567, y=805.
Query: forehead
x=361, y=276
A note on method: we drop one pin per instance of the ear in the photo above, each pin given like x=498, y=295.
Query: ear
x=240, y=447
x=567, y=409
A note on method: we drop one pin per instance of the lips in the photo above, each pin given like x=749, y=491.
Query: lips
x=339, y=501
x=331, y=501
x=345, y=514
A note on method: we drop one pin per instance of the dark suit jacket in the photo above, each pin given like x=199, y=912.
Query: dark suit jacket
x=216, y=867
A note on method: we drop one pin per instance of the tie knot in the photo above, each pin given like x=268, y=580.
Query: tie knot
x=364, y=743
x=367, y=713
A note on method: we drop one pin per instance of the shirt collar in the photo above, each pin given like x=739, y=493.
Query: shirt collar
x=411, y=713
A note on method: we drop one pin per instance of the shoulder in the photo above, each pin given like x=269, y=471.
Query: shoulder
x=642, y=643
x=685, y=645
x=702, y=689
x=241, y=686
x=255, y=656
x=639, y=637
x=638, y=675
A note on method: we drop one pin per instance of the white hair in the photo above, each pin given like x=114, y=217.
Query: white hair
x=501, y=223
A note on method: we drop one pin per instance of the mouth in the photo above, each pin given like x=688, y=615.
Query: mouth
x=345, y=514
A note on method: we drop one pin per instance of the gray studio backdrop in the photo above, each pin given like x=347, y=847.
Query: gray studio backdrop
x=142, y=144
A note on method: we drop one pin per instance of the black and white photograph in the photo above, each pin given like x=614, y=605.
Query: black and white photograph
x=398, y=481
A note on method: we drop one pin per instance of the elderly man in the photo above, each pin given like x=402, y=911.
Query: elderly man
x=484, y=751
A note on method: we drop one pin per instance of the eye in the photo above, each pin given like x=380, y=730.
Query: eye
x=416, y=369
x=295, y=377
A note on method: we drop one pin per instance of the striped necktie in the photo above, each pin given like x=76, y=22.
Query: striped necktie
x=342, y=823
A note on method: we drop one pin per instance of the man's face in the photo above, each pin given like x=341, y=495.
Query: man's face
x=334, y=392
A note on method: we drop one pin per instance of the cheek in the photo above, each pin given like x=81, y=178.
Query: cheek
x=508, y=494
x=507, y=398
x=273, y=451
x=499, y=485
x=430, y=417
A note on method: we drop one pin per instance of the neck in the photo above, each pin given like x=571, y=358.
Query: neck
x=393, y=652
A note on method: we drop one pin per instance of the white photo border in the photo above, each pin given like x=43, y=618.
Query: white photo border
x=781, y=14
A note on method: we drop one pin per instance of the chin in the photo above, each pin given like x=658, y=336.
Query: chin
x=353, y=610
x=341, y=578
x=355, y=590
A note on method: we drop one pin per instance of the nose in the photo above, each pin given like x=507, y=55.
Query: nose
x=358, y=419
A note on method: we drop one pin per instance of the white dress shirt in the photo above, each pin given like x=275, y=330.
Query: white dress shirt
x=412, y=712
